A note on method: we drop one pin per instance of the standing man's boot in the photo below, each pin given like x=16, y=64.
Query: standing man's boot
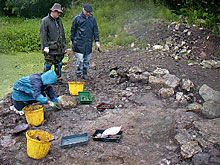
x=47, y=67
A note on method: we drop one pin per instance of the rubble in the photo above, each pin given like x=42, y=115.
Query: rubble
x=190, y=148
x=166, y=92
x=187, y=85
x=211, y=109
x=208, y=94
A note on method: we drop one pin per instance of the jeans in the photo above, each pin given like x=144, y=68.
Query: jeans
x=82, y=63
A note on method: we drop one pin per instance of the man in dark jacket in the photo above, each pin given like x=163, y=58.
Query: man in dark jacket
x=53, y=39
x=83, y=31
x=34, y=88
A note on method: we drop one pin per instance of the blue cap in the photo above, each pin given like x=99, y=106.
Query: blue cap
x=87, y=7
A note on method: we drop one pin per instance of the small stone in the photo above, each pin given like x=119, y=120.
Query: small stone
x=125, y=93
x=67, y=101
x=185, y=30
x=195, y=107
x=166, y=92
x=201, y=159
x=190, y=148
x=209, y=130
x=171, y=80
x=135, y=69
x=177, y=27
x=157, y=47
x=147, y=87
x=183, y=137
x=210, y=64
x=7, y=141
x=187, y=84
x=203, y=55
x=132, y=44
x=208, y=94
x=113, y=74
x=160, y=71
x=189, y=33
x=211, y=109
x=179, y=96
x=156, y=80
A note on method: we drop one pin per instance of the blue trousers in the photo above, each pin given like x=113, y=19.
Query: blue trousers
x=82, y=63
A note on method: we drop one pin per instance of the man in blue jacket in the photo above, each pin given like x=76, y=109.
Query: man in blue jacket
x=34, y=88
x=83, y=31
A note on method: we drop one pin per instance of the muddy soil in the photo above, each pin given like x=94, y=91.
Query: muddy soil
x=148, y=122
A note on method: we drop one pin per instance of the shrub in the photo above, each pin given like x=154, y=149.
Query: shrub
x=32, y=8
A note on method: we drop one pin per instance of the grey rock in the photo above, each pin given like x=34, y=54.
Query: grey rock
x=179, y=96
x=210, y=64
x=187, y=84
x=7, y=141
x=160, y=129
x=157, y=47
x=183, y=51
x=135, y=69
x=156, y=80
x=189, y=33
x=166, y=92
x=126, y=93
x=207, y=93
x=113, y=74
x=190, y=148
x=138, y=77
x=147, y=87
x=171, y=80
x=183, y=137
x=211, y=109
x=210, y=129
x=201, y=159
x=160, y=71
x=68, y=101
x=195, y=107
x=177, y=27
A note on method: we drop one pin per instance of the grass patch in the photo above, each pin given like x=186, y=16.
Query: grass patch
x=16, y=65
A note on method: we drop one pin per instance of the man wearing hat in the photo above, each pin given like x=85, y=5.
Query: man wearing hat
x=83, y=31
x=53, y=39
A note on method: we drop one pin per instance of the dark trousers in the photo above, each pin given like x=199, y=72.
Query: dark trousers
x=19, y=105
x=55, y=60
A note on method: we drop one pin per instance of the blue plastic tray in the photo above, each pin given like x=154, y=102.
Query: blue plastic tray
x=74, y=140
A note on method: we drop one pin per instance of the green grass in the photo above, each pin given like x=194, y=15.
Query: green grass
x=16, y=65
x=22, y=35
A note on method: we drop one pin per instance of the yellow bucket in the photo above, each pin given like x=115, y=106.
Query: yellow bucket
x=76, y=87
x=34, y=114
x=38, y=143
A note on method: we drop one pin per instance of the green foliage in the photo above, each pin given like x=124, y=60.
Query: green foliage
x=202, y=13
x=31, y=8
x=20, y=34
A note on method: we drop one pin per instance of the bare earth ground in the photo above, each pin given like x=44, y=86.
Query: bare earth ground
x=149, y=123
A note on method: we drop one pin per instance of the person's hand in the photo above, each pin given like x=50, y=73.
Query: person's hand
x=46, y=50
x=51, y=104
x=97, y=44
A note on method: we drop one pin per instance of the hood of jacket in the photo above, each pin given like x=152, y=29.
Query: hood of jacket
x=49, y=77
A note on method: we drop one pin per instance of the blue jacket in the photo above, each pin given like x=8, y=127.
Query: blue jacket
x=35, y=87
x=83, y=31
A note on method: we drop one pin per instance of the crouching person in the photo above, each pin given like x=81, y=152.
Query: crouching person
x=32, y=89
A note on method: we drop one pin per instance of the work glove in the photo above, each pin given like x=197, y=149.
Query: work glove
x=51, y=104
x=97, y=44
x=46, y=50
